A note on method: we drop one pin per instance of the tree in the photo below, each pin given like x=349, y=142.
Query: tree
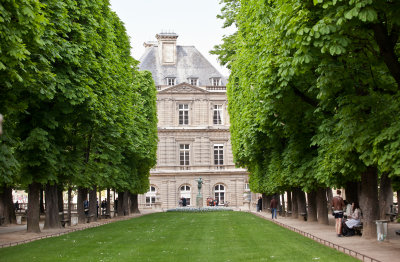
x=311, y=103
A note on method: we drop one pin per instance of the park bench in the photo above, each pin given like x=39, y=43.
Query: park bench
x=64, y=221
x=2, y=219
x=106, y=215
x=89, y=217
x=358, y=229
x=304, y=215
x=391, y=216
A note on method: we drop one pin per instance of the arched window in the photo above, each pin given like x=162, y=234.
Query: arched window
x=151, y=196
x=219, y=193
x=185, y=193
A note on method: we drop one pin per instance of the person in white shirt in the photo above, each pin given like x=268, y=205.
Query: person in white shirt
x=355, y=217
x=348, y=210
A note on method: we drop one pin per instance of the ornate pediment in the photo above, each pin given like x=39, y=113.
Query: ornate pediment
x=183, y=88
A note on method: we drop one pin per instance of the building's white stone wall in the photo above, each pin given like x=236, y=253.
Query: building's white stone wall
x=200, y=133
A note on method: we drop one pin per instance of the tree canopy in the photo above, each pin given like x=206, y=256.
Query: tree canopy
x=77, y=110
x=313, y=95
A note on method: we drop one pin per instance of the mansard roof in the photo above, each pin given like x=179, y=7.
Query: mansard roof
x=190, y=64
x=183, y=88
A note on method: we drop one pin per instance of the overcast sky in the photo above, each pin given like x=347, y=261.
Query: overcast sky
x=194, y=21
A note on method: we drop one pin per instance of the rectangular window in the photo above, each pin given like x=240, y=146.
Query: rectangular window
x=150, y=200
x=171, y=81
x=215, y=81
x=184, y=114
x=184, y=154
x=218, y=154
x=193, y=81
x=217, y=118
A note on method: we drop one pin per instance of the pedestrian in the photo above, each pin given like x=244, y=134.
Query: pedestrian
x=338, y=206
x=259, y=204
x=273, y=205
x=183, y=201
x=86, y=206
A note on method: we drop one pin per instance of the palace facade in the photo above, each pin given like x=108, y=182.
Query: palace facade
x=193, y=130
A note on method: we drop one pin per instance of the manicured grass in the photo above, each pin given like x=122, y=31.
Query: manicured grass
x=219, y=236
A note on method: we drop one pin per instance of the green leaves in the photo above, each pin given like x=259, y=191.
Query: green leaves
x=308, y=91
x=81, y=111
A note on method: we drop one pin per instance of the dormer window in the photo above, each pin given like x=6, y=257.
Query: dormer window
x=171, y=81
x=215, y=81
x=193, y=81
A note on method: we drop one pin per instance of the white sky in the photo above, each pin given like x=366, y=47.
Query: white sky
x=194, y=21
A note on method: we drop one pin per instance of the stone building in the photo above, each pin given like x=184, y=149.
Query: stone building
x=193, y=130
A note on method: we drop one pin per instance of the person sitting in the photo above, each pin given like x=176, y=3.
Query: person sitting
x=354, y=220
x=348, y=210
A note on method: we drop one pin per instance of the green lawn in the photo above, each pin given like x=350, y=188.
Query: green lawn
x=211, y=236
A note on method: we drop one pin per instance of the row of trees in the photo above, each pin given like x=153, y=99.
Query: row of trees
x=314, y=98
x=78, y=113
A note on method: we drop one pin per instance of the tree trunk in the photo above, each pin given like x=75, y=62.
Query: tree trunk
x=329, y=196
x=289, y=202
x=93, y=203
x=312, y=206
x=33, y=208
x=283, y=205
x=108, y=206
x=120, y=204
x=41, y=200
x=386, y=41
x=126, y=203
x=351, y=191
x=52, y=218
x=60, y=197
x=398, y=199
x=369, y=202
x=82, y=196
x=295, y=209
x=69, y=205
x=7, y=208
x=134, y=204
x=385, y=196
x=322, y=207
x=301, y=203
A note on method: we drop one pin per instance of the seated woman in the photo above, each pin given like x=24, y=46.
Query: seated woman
x=354, y=220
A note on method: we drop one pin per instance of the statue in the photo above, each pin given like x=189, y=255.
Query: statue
x=199, y=198
x=199, y=183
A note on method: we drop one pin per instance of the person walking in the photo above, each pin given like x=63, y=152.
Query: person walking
x=273, y=205
x=338, y=206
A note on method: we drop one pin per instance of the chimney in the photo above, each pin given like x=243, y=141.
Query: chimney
x=167, y=48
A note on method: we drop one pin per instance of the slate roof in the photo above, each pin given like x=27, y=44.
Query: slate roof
x=190, y=64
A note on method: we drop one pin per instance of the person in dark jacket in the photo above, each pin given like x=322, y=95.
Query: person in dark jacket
x=273, y=206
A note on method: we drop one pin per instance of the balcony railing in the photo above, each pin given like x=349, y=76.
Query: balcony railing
x=216, y=88
x=194, y=168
